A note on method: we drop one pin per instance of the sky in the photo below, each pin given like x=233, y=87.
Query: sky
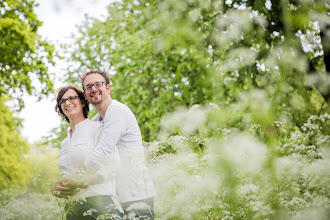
x=59, y=19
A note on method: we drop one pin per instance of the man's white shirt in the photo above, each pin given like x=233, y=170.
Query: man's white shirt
x=121, y=130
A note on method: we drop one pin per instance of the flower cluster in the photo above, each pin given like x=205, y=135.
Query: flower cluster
x=212, y=172
x=309, y=139
x=28, y=206
x=238, y=175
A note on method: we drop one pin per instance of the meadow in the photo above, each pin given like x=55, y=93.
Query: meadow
x=232, y=99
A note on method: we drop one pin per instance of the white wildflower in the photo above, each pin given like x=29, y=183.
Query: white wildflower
x=244, y=153
x=278, y=124
x=89, y=212
x=254, y=127
x=225, y=131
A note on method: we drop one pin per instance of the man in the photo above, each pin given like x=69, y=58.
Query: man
x=134, y=185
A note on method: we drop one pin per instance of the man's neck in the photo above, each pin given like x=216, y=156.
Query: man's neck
x=103, y=106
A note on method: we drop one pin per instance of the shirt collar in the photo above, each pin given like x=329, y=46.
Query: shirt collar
x=78, y=125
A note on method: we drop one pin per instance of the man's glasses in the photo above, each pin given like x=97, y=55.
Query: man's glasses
x=96, y=85
x=70, y=99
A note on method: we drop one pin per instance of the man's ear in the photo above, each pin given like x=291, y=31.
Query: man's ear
x=108, y=87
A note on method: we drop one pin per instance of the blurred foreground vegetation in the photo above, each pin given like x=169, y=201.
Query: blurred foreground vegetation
x=232, y=98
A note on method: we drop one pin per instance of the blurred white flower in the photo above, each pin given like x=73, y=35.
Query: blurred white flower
x=244, y=153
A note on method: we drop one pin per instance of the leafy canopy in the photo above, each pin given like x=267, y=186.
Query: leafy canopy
x=14, y=168
x=165, y=54
x=24, y=56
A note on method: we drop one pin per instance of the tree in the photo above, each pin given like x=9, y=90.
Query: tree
x=14, y=167
x=24, y=56
x=171, y=53
x=152, y=81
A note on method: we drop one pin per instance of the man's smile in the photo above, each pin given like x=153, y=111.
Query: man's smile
x=95, y=94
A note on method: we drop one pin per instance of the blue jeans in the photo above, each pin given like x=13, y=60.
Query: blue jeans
x=97, y=205
x=140, y=209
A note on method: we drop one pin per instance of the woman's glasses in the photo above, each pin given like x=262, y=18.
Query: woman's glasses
x=70, y=99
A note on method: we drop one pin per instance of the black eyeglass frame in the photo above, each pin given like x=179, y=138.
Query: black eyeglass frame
x=89, y=87
x=71, y=99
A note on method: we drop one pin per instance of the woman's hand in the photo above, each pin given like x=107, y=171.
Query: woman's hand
x=62, y=190
x=73, y=183
x=68, y=186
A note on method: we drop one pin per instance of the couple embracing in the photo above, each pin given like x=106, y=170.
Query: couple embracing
x=102, y=159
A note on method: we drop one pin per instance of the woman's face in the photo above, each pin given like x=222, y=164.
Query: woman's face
x=71, y=104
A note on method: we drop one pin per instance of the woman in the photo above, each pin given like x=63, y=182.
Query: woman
x=95, y=193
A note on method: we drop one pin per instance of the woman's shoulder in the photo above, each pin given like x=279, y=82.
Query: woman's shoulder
x=93, y=124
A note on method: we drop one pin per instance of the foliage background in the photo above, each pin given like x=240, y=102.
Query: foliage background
x=24, y=57
x=232, y=98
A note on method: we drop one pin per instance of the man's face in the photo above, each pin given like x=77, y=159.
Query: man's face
x=96, y=95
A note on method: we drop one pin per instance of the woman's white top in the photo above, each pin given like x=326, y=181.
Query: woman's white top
x=75, y=149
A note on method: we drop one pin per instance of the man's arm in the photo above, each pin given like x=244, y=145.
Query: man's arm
x=115, y=122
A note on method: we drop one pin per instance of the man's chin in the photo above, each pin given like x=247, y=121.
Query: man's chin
x=95, y=102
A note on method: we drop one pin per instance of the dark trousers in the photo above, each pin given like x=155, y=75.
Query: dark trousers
x=140, y=209
x=96, y=205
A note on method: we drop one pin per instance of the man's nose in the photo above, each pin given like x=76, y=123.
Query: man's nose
x=93, y=88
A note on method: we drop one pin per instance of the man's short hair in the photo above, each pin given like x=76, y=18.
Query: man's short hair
x=102, y=73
